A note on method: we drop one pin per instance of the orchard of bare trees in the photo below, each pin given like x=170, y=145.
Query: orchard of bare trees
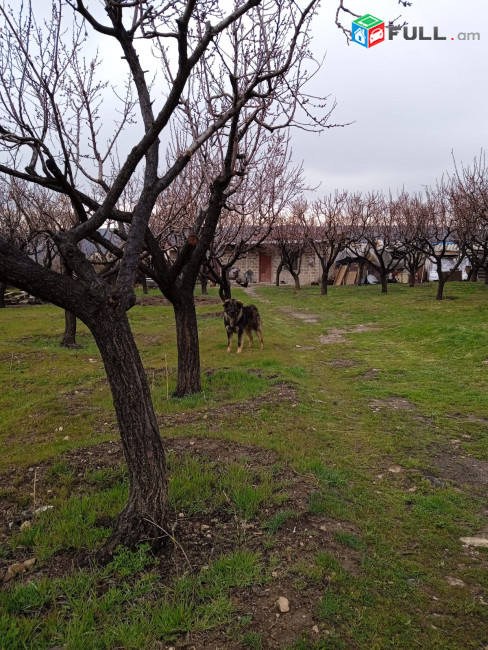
x=391, y=232
x=199, y=93
x=147, y=139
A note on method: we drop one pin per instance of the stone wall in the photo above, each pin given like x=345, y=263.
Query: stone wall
x=310, y=269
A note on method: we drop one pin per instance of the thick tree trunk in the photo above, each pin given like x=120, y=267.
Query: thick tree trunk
x=3, y=289
x=189, y=381
x=411, y=278
x=323, y=283
x=278, y=272
x=486, y=274
x=144, y=285
x=204, y=284
x=69, y=336
x=225, y=291
x=440, y=287
x=384, y=283
x=145, y=516
x=296, y=278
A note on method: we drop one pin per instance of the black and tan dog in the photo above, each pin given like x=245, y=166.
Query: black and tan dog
x=240, y=319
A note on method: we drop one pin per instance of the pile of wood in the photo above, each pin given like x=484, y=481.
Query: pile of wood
x=347, y=274
x=13, y=298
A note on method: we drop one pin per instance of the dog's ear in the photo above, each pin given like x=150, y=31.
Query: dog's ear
x=240, y=303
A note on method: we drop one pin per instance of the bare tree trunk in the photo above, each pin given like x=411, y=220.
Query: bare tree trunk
x=146, y=512
x=441, y=282
x=278, y=272
x=473, y=274
x=411, y=278
x=3, y=289
x=440, y=289
x=144, y=285
x=225, y=291
x=384, y=283
x=296, y=277
x=486, y=274
x=189, y=381
x=69, y=336
x=323, y=283
x=204, y=284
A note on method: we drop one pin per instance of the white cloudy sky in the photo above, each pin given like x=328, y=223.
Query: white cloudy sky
x=412, y=102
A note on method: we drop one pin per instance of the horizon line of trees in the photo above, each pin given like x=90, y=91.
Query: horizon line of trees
x=381, y=230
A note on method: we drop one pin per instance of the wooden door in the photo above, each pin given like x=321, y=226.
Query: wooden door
x=264, y=267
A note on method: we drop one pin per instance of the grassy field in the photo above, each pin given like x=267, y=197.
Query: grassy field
x=339, y=468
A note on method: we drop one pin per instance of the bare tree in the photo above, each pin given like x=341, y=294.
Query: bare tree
x=409, y=210
x=266, y=190
x=221, y=73
x=41, y=215
x=290, y=241
x=439, y=230
x=377, y=219
x=330, y=229
x=468, y=195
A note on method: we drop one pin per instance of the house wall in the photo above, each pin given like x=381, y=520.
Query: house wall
x=447, y=264
x=310, y=269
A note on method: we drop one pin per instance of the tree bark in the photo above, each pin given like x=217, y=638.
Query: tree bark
x=323, y=284
x=278, y=272
x=69, y=336
x=204, y=284
x=296, y=278
x=225, y=291
x=189, y=381
x=3, y=289
x=145, y=516
x=384, y=283
x=411, y=278
x=144, y=285
x=440, y=290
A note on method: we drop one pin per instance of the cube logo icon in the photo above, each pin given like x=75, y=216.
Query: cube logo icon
x=368, y=31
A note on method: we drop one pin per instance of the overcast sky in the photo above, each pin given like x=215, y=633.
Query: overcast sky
x=412, y=102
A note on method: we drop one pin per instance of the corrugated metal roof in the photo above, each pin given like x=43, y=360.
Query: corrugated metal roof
x=449, y=248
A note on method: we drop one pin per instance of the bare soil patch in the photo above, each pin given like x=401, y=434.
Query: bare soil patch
x=213, y=416
x=337, y=335
x=342, y=363
x=334, y=336
x=459, y=469
x=371, y=374
x=391, y=403
x=306, y=318
x=213, y=314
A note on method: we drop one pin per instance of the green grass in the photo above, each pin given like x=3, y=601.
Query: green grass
x=122, y=604
x=340, y=425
